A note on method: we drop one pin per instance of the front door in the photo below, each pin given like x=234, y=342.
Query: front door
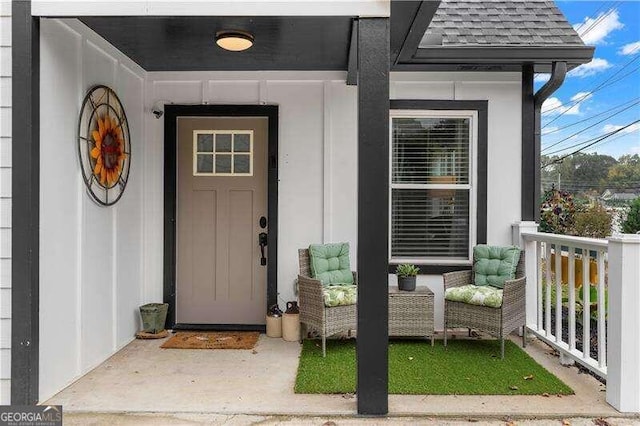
x=222, y=198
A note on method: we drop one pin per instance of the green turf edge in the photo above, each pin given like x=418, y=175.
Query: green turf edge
x=465, y=367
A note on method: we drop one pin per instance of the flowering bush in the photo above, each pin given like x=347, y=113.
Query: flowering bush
x=558, y=212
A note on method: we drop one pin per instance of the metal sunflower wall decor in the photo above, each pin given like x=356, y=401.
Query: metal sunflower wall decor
x=104, y=148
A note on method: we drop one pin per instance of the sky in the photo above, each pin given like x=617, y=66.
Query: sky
x=603, y=96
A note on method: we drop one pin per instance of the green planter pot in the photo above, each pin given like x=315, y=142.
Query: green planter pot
x=154, y=315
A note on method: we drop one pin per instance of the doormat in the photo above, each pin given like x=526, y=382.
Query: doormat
x=212, y=340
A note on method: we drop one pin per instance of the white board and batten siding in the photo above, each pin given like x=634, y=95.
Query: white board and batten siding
x=5, y=202
x=91, y=257
x=317, y=164
x=317, y=188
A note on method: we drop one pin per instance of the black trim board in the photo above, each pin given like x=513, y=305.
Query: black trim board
x=483, y=122
x=433, y=269
x=530, y=152
x=352, y=71
x=573, y=55
x=172, y=112
x=373, y=216
x=421, y=21
x=25, y=212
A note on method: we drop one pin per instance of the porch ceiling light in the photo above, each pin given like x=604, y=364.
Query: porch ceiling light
x=234, y=40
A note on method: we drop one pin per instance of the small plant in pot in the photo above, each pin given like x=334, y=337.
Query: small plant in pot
x=407, y=277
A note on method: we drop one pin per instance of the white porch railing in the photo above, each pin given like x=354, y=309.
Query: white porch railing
x=616, y=280
x=560, y=260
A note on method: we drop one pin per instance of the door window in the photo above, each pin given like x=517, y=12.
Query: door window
x=223, y=152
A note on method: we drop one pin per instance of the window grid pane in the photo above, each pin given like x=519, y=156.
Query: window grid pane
x=232, y=156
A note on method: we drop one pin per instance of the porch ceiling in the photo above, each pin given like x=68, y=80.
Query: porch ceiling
x=188, y=43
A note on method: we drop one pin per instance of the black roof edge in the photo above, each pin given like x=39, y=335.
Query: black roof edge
x=539, y=67
x=483, y=55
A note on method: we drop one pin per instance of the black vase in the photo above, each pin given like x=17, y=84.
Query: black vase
x=407, y=283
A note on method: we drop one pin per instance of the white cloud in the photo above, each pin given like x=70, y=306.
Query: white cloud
x=541, y=78
x=581, y=96
x=595, y=30
x=553, y=105
x=613, y=127
x=630, y=49
x=595, y=66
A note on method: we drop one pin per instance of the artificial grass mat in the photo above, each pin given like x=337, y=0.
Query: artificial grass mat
x=465, y=367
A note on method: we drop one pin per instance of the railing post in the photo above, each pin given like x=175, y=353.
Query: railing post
x=531, y=268
x=623, y=337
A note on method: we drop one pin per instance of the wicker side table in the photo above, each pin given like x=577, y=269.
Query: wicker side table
x=411, y=312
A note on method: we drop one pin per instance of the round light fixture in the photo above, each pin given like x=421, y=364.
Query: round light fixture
x=234, y=40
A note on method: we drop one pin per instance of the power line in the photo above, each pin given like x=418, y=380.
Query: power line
x=589, y=118
x=600, y=19
x=589, y=93
x=559, y=160
x=591, y=126
x=599, y=87
x=602, y=6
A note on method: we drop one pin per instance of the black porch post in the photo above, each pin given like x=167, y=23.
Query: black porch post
x=373, y=215
x=530, y=151
x=25, y=214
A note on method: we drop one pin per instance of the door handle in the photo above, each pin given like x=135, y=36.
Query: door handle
x=262, y=241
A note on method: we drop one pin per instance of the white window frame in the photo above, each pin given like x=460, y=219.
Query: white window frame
x=214, y=153
x=472, y=186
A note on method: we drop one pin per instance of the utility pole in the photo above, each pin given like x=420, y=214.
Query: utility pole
x=558, y=181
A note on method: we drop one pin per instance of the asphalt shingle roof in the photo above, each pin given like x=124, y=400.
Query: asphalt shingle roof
x=500, y=23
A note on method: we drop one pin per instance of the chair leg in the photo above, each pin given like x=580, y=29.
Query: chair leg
x=469, y=332
x=524, y=336
x=445, y=335
x=324, y=340
x=324, y=345
x=303, y=327
x=501, y=347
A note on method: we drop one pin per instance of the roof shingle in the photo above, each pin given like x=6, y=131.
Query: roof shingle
x=501, y=23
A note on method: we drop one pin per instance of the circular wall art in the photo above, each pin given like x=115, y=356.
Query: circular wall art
x=104, y=148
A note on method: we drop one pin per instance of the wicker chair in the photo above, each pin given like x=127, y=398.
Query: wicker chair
x=313, y=314
x=498, y=322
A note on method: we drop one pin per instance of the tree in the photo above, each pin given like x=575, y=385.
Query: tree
x=578, y=173
x=631, y=225
x=625, y=174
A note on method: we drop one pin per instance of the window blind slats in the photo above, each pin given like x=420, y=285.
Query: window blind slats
x=430, y=150
x=424, y=225
x=429, y=222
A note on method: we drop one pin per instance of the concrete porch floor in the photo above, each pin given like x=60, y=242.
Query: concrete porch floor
x=144, y=379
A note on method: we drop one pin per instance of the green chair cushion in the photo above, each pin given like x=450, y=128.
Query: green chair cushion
x=485, y=295
x=494, y=265
x=329, y=263
x=340, y=295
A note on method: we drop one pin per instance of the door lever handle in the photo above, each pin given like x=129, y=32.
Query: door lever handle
x=262, y=241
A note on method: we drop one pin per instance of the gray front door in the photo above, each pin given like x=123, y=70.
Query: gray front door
x=222, y=194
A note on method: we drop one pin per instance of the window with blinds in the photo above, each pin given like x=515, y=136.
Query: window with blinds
x=432, y=186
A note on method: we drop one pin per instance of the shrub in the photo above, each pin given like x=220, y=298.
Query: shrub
x=593, y=222
x=558, y=211
x=632, y=224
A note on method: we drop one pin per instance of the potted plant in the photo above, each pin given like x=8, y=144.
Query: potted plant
x=407, y=277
